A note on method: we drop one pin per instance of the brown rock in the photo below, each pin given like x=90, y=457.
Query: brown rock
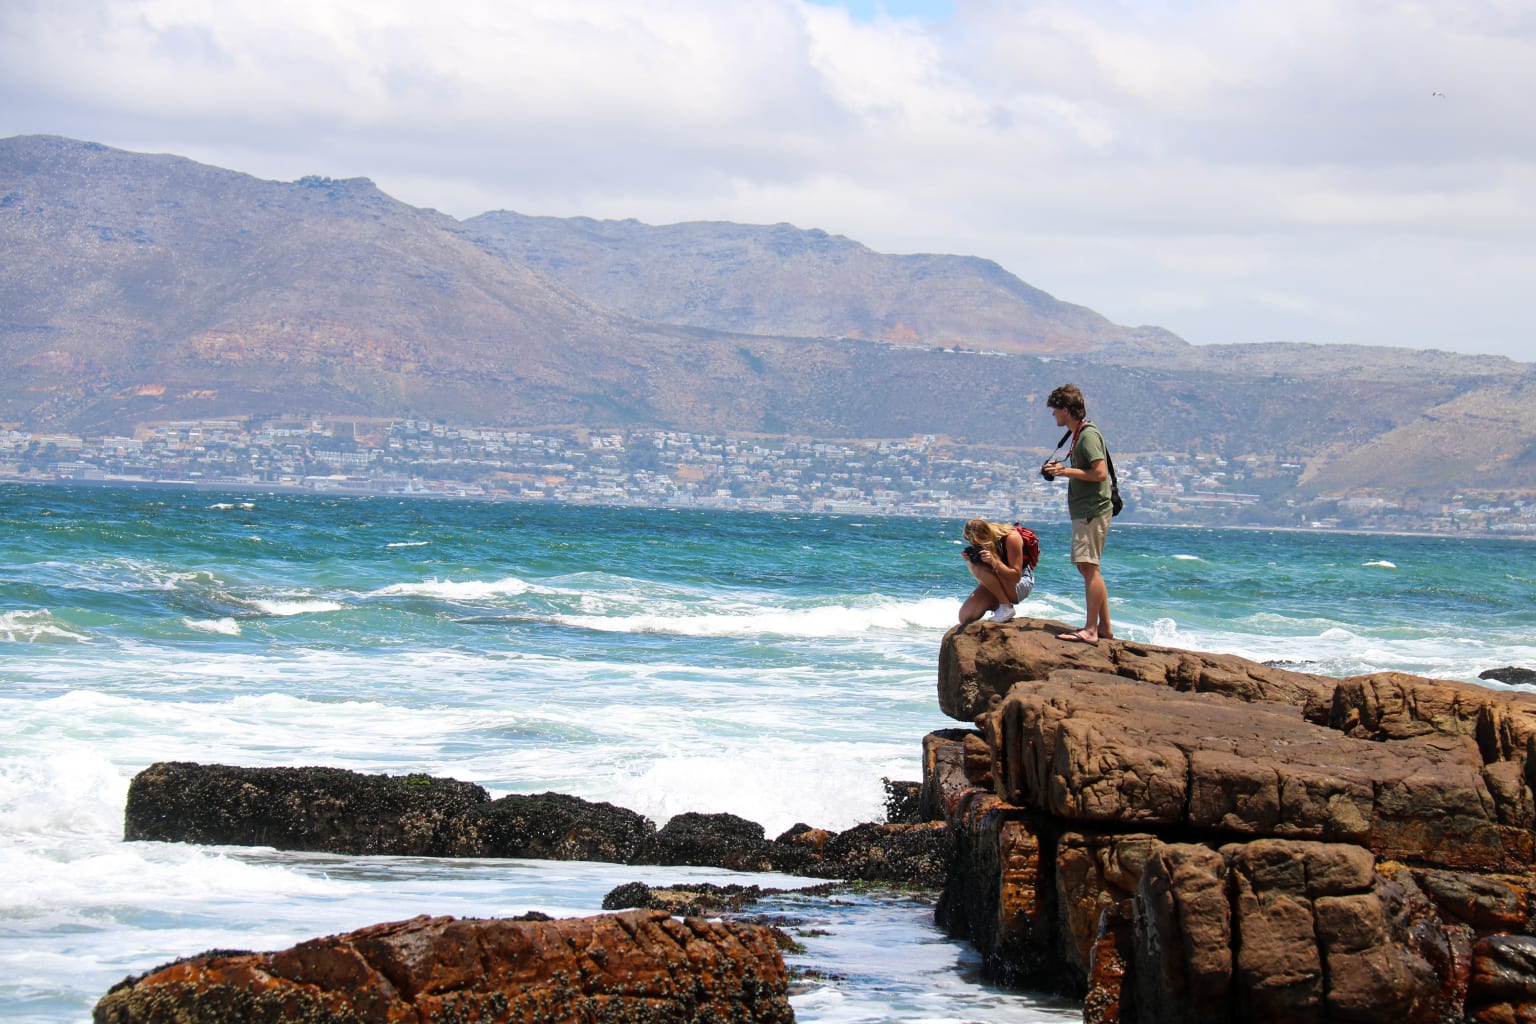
x=1101, y=750
x=1107, y=971
x=637, y=966
x=1322, y=936
x=1487, y=903
x=994, y=895
x=981, y=661
x=1501, y=725
x=1504, y=970
x=950, y=770
x=1371, y=831
x=1183, y=946
x=803, y=836
x=1096, y=874
x=1394, y=705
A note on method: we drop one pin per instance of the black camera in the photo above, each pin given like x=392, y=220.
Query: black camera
x=972, y=552
x=1046, y=472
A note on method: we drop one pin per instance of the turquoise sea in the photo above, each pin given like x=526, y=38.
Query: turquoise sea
x=774, y=666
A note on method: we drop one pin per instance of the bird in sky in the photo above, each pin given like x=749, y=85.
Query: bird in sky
x=1437, y=94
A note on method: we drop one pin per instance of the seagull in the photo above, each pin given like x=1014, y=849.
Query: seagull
x=1437, y=94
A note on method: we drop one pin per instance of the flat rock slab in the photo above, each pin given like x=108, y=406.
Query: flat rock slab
x=630, y=967
x=1096, y=749
x=981, y=661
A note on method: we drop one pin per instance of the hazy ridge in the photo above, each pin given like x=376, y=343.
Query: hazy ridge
x=136, y=288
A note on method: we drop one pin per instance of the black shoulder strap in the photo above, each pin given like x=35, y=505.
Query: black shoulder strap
x=1109, y=459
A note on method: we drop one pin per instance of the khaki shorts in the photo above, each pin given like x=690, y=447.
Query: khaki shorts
x=1088, y=539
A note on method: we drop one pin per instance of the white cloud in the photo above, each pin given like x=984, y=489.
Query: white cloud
x=1220, y=167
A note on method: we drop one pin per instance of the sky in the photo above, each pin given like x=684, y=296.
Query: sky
x=1326, y=171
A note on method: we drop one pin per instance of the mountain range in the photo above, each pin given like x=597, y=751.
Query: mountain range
x=139, y=288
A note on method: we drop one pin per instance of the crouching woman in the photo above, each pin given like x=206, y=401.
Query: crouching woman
x=996, y=556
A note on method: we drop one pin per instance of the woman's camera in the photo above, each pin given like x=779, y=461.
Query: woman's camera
x=972, y=552
x=1046, y=472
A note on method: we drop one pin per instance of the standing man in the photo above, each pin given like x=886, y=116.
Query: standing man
x=1088, y=504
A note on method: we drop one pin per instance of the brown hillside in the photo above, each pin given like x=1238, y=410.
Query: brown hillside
x=140, y=288
x=782, y=281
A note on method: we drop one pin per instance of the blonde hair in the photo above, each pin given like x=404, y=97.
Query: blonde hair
x=979, y=531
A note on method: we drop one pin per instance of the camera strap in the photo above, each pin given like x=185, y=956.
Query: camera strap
x=1114, y=482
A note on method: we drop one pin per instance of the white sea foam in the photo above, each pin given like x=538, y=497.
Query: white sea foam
x=1162, y=632
x=450, y=590
x=107, y=876
x=69, y=790
x=225, y=626
x=776, y=784
x=133, y=574
x=26, y=626
x=742, y=619
x=1187, y=558
x=1380, y=564
x=293, y=606
x=1329, y=648
x=408, y=544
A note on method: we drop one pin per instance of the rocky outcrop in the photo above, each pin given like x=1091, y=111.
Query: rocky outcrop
x=550, y=826
x=719, y=840
x=699, y=899
x=640, y=966
x=316, y=809
x=1512, y=674
x=1181, y=837
x=976, y=665
x=338, y=811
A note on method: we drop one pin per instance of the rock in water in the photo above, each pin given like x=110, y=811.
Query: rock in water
x=319, y=809
x=1189, y=838
x=1514, y=675
x=640, y=966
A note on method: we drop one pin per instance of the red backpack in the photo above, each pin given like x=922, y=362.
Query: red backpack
x=1031, y=545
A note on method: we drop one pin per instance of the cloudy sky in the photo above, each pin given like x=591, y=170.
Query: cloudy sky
x=1357, y=171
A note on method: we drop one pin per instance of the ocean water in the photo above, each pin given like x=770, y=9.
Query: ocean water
x=774, y=666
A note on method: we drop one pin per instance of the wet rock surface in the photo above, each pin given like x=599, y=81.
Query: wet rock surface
x=1511, y=674
x=637, y=967
x=1181, y=837
x=699, y=899
x=313, y=809
x=337, y=811
x=549, y=826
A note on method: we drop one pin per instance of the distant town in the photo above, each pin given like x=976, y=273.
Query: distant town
x=917, y=476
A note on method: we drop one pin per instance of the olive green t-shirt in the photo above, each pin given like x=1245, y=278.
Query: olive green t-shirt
x=1086, y=500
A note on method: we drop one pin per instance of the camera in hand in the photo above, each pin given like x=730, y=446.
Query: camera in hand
x=1045, y=472
x=973, y=552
